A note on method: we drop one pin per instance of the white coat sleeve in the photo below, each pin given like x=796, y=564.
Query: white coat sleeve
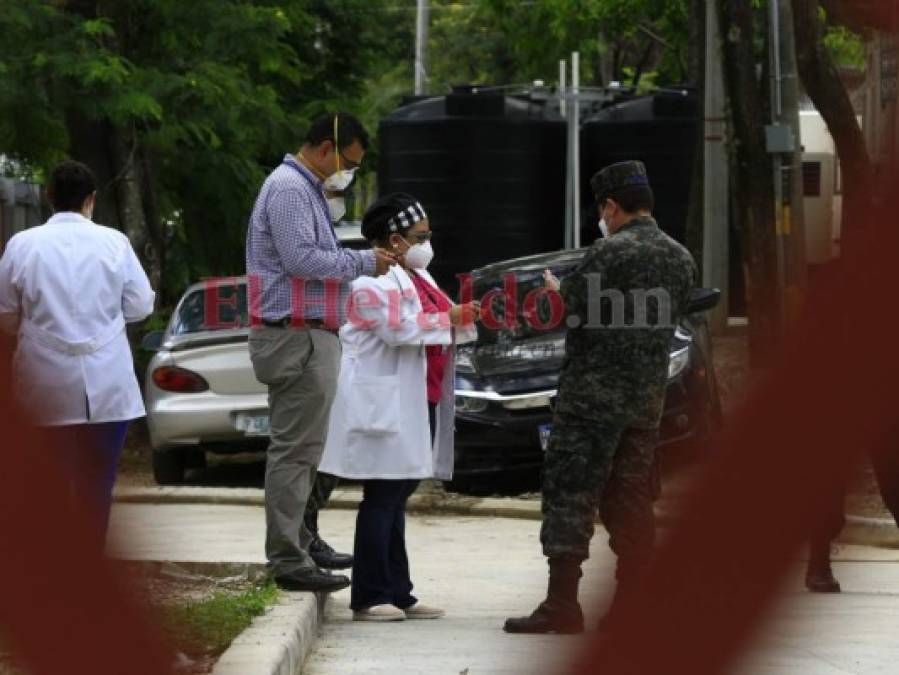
x=393, y=318
x=466, y=333
x=137, y=295
x=10, y=295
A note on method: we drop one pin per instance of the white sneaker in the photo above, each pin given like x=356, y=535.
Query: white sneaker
x=420, y=611
x=379, y=613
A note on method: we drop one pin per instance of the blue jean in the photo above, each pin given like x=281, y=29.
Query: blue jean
x=380, y=564
x=89, y=455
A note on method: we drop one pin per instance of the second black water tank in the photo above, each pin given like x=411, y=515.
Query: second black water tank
x=489, y=170
x=660, y=130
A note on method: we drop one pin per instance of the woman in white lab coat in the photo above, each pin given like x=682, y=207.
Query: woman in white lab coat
x=392, y=420
x=67, y=289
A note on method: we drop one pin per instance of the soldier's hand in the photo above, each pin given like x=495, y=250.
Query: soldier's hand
x=462, y=315
x=550, y=281
x=384, y=260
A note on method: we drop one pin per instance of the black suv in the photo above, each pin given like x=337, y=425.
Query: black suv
x=506, y=381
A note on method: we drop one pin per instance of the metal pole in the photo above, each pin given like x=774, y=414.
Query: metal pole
x=716, y=180
x=569, y=170
x=563, y=67
x=575, y=151
x=794, y=212
x=421, y=48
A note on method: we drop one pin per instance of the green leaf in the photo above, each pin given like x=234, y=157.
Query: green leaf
x=101, y=27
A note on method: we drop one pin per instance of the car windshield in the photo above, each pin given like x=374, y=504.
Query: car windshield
x=534, y=316
x=218, y=307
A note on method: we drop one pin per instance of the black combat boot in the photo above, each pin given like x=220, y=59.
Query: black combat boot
x=560, y=612
x=818, y=576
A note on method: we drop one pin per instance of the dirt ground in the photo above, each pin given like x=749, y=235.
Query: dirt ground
x=160, y=590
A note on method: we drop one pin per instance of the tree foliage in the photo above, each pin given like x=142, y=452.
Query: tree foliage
x=208, y=94
x=183, y=107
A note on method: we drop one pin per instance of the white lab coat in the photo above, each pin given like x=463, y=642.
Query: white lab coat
x=379, y=420
x=74, y=285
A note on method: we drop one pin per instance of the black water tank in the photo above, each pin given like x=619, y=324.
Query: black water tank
x=489, y=170
x=660, y=130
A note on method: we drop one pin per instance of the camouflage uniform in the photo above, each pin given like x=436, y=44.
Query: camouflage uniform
x=322, y=487
x=612, y=391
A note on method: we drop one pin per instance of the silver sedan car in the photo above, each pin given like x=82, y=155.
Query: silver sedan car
x=200, y=391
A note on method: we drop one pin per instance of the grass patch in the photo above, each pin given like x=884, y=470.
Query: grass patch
x=210, y=625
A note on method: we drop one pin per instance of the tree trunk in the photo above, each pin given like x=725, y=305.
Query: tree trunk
x=755, y=194
x=644, y=62
x=155, y=228
x=125, y=153
x=605, y=71
x=823, y=84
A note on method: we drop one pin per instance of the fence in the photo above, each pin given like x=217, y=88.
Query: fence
x=20, y=207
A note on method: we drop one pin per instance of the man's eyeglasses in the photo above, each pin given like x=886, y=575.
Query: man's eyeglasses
x=348, y=164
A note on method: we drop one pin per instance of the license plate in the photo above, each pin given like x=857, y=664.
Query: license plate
x=545, y=431
x=253, y=425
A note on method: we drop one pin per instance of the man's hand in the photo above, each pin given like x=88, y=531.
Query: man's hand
x=462, y=315
x=551, y=282
x=384, y=260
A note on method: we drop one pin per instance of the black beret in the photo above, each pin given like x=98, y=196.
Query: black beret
x=617, y=176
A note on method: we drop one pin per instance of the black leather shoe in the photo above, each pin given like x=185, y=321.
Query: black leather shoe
x=312, y=580
x=549, y=617
x=327, y=558
x=820, y=579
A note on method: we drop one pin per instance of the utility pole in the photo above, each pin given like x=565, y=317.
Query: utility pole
x=716, y=188
x=421, y=48
x=794, y=219
x=780, y=144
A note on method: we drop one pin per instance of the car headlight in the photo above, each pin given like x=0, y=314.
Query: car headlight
x=678, y=361
x=470, y=404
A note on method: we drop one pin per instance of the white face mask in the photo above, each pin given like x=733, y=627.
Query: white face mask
x=604, y=228
x=339, y=180
x=419, y=256
x=337, y=207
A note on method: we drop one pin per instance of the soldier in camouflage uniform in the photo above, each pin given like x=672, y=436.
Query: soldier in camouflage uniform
x=622, y=304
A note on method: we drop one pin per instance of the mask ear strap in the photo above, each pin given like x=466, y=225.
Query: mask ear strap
x=336, y=143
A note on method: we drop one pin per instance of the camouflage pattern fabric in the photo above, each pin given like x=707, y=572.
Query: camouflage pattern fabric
x=623, y=304
x=590, y=466
x=322, y=487
x=614, y=370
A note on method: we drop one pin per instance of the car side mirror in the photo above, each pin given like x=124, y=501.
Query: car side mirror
x=152, y=341
x=703, y=299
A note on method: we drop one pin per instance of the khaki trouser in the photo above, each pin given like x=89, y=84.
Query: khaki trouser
x=300, y=368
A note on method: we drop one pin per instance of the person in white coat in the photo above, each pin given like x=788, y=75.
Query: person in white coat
x=391, y=424
x=67, y=289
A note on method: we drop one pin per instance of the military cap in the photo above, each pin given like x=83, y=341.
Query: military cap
x=616, y=176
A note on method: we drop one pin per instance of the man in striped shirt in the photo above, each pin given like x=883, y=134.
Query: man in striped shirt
x=299, y=279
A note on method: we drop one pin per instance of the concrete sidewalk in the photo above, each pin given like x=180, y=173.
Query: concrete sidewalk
x=858, y=530
x=483, y=569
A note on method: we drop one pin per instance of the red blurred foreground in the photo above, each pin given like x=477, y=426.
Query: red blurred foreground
x=833, y=398
x=62, y=606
